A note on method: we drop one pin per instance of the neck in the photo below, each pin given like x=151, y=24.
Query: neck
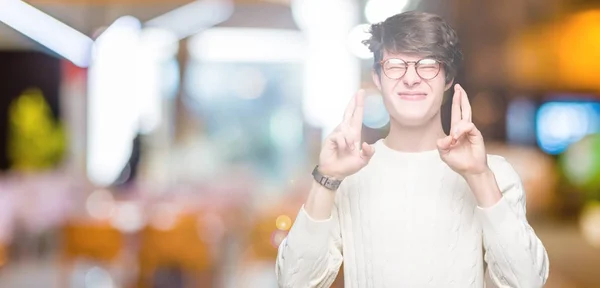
x=415, y=138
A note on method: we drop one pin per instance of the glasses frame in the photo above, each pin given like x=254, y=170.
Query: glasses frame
x=408, y=64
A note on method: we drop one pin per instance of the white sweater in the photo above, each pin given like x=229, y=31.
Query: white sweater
x=407, y=220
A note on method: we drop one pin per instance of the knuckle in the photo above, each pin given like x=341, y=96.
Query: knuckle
x=342, y=135
x=335, y=137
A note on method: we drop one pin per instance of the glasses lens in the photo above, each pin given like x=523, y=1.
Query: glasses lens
x=394, y=68
x=428, y=68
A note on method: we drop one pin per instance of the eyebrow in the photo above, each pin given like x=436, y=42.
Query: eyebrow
x=421, y=58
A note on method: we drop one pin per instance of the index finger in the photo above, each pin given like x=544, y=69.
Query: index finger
x=357, y=117
x=350, y=110
x=465, y=106
x=456, y=103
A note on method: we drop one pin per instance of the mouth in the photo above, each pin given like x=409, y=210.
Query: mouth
x=412, y=96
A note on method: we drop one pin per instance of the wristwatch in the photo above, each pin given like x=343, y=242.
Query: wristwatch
x=327, y=182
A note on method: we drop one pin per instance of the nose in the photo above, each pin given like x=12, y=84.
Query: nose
x=411, y=78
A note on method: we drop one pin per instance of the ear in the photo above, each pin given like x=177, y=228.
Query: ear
x=449, y=85
x=376, y=79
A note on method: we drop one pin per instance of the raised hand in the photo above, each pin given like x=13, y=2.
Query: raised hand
x=343, y=154
x=463, y=150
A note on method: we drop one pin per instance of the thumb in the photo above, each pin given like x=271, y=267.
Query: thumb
x=444, y=144
x=367, y=151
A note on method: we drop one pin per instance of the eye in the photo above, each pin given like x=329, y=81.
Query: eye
x=428, y=64
x=395, y=64
x=427, y=61
x=395, y=61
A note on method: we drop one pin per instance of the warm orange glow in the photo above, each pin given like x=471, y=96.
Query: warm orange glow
x=561, y=55
x=579, y=51
x=531, y=59
x=3, y=256
x=283, y=222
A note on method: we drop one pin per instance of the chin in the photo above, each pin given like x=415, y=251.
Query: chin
x=410, y=122
x=411, y=113
x=412, y=118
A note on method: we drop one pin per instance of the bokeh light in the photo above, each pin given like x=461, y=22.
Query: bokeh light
x=285, y=127
x=590, y=223
x=355, y=38
x=520, y=121
x=283, y=222
x=560, y=124
x=581, y=163
x=277, y=237
x=128, y=217
x=378, y=10
x=100, y=204
x=97, y=277
x=579, y=50
x=375, y=113
x=164, y=216
x=250, y=82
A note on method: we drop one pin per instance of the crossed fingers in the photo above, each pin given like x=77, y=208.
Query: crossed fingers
x=349, y=132
x=462, y=122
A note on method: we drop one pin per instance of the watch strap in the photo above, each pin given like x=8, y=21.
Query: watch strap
x=327, y=182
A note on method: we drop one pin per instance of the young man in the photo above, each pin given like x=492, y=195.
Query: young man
x=427, y=209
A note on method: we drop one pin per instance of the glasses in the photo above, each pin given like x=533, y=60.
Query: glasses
x=395, y=69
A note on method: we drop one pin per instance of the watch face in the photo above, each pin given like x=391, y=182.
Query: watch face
x=332, y=185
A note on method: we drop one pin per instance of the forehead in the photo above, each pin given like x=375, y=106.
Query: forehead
x=405, y=56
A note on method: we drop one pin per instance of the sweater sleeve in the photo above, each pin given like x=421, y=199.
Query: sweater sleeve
x=311, y=254
x=514, y=254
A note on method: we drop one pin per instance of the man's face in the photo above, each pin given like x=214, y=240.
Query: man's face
x=416, y=96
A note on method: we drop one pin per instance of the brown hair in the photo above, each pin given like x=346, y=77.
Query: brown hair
x=416, y=32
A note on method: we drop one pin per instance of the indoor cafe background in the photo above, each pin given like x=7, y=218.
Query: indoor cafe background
x=170, y=143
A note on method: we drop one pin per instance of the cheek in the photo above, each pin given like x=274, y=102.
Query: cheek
x=438, y=86
x=388, y=84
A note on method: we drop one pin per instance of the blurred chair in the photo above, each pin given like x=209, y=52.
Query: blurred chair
x=339, y=280
x=3, y=254
x=97, y=241
x=264, y=240
x=180, y=246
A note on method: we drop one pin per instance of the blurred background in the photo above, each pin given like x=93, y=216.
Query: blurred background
x=170, y=143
